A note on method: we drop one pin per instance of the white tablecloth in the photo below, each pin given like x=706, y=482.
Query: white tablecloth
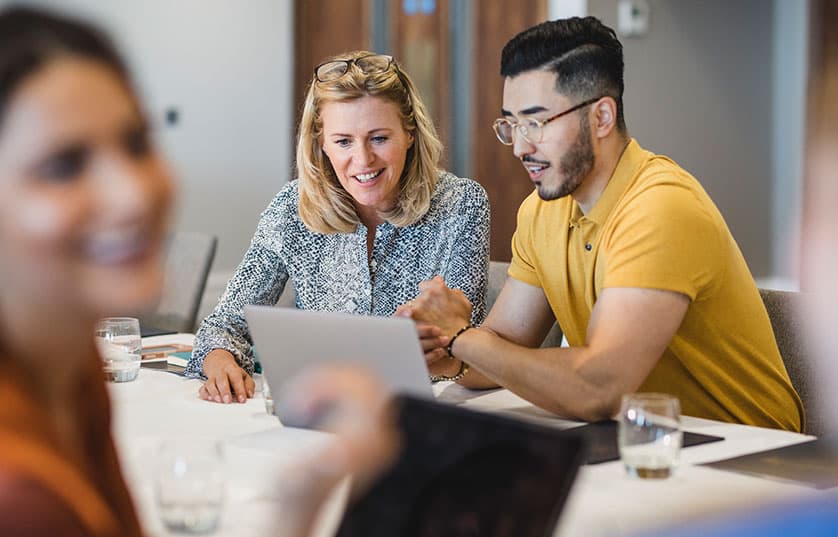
x=604, y=500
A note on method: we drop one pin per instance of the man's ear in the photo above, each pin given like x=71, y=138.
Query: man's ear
x=605, y=116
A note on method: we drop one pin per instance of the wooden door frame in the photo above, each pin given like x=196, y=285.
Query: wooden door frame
x=494, y=165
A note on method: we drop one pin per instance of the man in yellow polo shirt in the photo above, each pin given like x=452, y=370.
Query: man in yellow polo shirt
x=622, y=247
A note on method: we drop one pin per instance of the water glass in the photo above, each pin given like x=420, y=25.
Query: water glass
x=119, y=343
x=267, y=396
x=649, y=434
x=189, y=485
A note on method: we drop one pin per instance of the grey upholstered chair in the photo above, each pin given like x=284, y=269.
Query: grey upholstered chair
x=785, y=309
x=189, y=257
x=497, y=277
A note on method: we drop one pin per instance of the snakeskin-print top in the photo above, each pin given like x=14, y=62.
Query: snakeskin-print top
x=331, y=272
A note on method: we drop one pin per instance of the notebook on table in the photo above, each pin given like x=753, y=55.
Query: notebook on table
x=288, y=340
x=602, y=440
x=171, y=357
x=463, y=472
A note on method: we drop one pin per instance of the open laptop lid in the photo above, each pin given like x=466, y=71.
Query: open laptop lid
x=466, y=473
x=288, y=340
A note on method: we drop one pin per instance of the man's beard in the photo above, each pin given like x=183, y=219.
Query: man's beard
x=574, y=165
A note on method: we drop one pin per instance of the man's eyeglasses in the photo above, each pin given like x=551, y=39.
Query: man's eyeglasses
x=531, y=129
x=334, y=69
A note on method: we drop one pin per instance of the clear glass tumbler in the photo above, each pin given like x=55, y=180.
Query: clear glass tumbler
x=119, y=342
x=267, y=396
x=649, y=434
x=189, y=485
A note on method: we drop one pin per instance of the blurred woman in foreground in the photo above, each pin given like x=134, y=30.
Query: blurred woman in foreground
x=84, y=199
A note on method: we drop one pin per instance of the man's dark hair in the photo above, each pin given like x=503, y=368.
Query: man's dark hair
x=585, y=54
x=30, y=38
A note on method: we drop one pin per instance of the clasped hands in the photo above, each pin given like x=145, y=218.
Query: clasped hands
x=439, y=312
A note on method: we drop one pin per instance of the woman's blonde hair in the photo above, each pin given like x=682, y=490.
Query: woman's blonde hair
x=325, y=206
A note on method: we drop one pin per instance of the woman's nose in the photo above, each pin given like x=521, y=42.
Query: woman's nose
x=127, y=186
x=365, y=154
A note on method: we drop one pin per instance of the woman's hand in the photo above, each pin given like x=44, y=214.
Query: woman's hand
x=352, y=404
x=226, y=381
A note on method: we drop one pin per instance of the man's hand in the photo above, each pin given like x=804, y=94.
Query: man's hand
x=437, y=305
x=226, y=381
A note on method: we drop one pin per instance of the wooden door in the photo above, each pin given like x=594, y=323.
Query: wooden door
x=419, y=40
x=324, y=28
x=494, y=165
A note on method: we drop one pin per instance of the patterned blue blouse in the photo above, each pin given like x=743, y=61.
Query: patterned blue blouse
x=331, y=272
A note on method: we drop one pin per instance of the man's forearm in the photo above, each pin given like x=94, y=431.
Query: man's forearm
x=552, y=379
x=476, y=380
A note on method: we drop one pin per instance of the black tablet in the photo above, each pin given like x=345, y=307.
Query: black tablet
x=463, y=473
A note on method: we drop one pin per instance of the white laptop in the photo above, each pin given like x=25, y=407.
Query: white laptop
x=287, y=340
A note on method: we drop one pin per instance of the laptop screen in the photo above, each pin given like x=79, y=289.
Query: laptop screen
x=287, y=341
x=464, y=473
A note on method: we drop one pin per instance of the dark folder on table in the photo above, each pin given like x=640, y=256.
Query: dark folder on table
x=813, y=463
x=602, y=440
x=463, y=472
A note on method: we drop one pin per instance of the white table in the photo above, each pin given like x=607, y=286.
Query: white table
x=604, y=501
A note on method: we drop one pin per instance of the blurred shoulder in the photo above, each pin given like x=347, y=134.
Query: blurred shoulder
x=28, y=507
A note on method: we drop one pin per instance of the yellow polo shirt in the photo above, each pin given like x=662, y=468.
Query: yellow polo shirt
x=655, y=227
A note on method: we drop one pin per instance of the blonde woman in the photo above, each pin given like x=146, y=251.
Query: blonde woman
x=369, y=218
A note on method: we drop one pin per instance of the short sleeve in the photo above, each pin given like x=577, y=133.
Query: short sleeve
x=667, y=238
x=522, y=267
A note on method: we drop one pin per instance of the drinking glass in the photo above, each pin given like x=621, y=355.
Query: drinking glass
x=267, y=396
x=119, y=343
x=649, y=434
x=189, y=485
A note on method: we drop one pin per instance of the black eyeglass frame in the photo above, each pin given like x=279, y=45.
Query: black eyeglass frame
x=348, y=62
x=540, y=122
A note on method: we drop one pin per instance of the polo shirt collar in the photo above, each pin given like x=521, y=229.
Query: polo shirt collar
x=631, y=159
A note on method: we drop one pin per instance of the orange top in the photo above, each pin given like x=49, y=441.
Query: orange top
x=42, y=490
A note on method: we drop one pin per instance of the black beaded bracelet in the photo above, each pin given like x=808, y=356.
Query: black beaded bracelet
x=454, y=338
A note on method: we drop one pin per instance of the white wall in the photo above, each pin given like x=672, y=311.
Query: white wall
x=791, y=59
x=227, y=66
x=563, y=9
x=719, y=86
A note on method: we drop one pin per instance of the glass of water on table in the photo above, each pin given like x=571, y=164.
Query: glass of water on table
x=649, y=434
x=119, y=343
x=189, y=485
